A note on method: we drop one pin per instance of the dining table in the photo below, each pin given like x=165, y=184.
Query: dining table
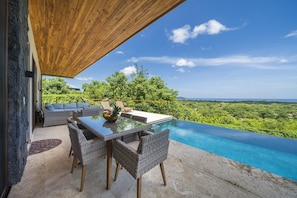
x=108, y=131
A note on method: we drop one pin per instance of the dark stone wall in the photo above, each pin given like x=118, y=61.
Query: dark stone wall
x=18, y=60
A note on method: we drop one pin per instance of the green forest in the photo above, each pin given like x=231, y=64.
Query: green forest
x=151, y=94
x=279, y=119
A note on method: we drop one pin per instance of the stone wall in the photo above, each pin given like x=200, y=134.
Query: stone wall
x=18, y=60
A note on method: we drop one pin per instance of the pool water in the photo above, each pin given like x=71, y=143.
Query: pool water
x=273, y=154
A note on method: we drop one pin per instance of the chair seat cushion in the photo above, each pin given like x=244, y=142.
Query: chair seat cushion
x=49, y=107
x=134, y=144
x=89, y=135
x=57, y=110
x=71, y=106
x=58, y=106
x=91, y=107
x=82, y=105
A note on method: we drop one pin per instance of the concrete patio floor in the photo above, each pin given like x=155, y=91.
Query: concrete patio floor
x=190, y=172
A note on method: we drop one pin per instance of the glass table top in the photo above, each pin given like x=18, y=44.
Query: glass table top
x=110, y=130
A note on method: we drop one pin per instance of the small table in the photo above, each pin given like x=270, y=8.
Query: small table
x=109, y=131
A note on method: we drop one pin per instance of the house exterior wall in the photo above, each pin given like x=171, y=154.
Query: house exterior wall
x=3, y=97
x=18, y=60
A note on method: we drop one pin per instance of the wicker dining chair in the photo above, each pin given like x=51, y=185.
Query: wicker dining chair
x=126, y=115
x=139, y=118
x=71, y=121
x=92, y=111
x=89, y=135
x=134, y=117
x=131, y=137
x=76, y=114
x=84, y=150
x=138, y=157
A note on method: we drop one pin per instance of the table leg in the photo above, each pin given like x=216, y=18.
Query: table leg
x=109, y=164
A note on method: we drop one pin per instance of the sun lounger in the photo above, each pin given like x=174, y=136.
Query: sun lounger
x=106, y=106
x=123, y=108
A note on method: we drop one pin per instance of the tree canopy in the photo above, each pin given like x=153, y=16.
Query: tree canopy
x=151, y=94
x=55, y=86
x=141, y=87
x=117, y=87
x=96, y=90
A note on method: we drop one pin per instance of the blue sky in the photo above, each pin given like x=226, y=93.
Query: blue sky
x=214, y=49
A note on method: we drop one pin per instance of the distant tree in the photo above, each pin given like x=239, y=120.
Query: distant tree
x=55, y=86
x=266, y=113
x=282, y=114
x=140, y=72
x=159, y=91
x=141, y=87
x=96, y=90
x=138, y=88
x=117, y=85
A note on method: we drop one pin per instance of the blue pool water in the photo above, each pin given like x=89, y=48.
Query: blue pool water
x=269, y=153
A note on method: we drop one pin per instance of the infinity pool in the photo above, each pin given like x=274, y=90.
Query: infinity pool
x=269, y=153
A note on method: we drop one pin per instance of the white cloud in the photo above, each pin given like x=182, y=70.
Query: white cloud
x=181, y=70
x=133, y=60
x=129, y=70
x=158, y=59
x=119, y=52
x=72, y=86
x=180, y=35
x=174, y=78
x=183, y=62
x=210, y=27
x=291, y=34
x=257, y=62
x=206, y=48
x=236, y=59
x=84, y=78
x=283, y=60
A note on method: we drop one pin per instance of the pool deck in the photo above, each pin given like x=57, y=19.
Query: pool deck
x=190, y=172
x=151, y=117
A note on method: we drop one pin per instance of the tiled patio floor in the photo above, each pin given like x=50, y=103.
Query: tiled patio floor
x=190, y=172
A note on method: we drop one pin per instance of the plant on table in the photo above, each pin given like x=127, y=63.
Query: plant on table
x=111, y=115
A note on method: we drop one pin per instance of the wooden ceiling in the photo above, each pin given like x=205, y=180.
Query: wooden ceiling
x=70, y=35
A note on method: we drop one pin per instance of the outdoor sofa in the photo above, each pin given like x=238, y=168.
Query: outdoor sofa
x=56, y=114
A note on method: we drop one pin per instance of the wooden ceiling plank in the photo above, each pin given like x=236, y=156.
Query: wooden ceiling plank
x=72, y=35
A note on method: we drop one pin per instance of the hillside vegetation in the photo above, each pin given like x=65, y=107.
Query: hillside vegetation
x=152, y=95
x=279, y=119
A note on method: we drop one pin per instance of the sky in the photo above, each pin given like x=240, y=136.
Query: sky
x=214, y=49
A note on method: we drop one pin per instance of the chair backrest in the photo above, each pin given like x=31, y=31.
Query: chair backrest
x=70, y=121
x=139, y=118
x=126, y=115
x=77, y=141
x=134, y=117
x=157, y=142
x=105, y=105
x=120, y=104
x=91, y=111
x=76, y=114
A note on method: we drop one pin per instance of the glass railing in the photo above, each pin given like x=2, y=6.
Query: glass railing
x=154, y=106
